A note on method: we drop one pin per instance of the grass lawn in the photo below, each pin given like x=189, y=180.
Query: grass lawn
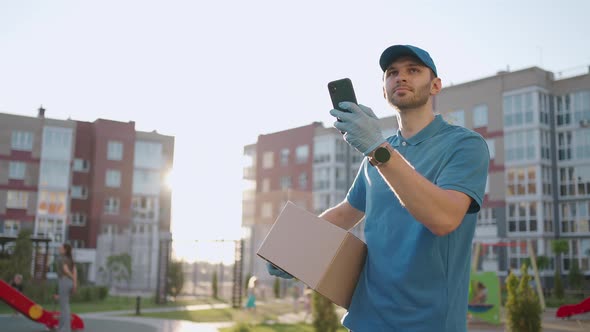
x=264, y=312
x=112, y=303
x=281, y=328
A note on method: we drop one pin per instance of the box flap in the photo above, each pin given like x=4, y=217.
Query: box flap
x=302, y=244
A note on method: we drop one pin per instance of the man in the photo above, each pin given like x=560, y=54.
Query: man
x=419, y=192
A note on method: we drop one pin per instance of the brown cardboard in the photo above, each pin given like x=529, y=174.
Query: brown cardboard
x=324, y=256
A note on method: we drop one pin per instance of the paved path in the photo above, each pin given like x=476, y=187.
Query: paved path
x=114, y=321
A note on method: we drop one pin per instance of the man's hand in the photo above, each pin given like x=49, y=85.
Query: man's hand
x=275, y=271
x=360, y=127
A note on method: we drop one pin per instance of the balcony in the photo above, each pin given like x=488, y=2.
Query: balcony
x=249, y=173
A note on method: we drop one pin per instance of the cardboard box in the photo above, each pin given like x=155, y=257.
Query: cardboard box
x=324, y=256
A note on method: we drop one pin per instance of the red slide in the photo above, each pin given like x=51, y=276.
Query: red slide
x=33, y=311
x=573, y=309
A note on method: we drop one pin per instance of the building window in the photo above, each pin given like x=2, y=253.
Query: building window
x=564, y=146
x=521, y=181
x=266, y=210
x=548, y=216
x=563, y=110
x=265, y=185
x=284, y=157
x=113, y=178
x=480, y=116
x=111, y=205
x=22, y=140
x=486, y=217
x=267, y=160
x=144, y=207
x=148, y=155
x=522, y=145
x=78, y=219
x=17, y=199
x=321, y=151
x=114, y=150
x=285, y=182
x=456, y=118
x=302, y=154
x=321, y=179
x=11, y=227
x=519, y=109
x=17, y=170
x=79, y=192
x=574, y=217
x=303, y=181
x=51, y=202
x=81, y=165
x=574, y=181
x=581, y=106
x=522, y=217
x=78, y=244
x=546, y=180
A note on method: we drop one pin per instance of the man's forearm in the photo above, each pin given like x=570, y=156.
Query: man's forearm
x=440, y=210
x=343, y=215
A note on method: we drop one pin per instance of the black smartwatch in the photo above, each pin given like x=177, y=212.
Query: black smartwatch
x=380, y=156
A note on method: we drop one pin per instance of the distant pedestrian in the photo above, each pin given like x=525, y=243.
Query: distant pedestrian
x=67, y=284
x=251, y=302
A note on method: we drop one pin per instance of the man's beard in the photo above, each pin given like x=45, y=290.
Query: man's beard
x=419, y=99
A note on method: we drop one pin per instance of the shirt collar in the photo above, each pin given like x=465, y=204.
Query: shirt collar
x=427, y=132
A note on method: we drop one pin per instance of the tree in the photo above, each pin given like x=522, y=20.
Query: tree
x=559, y=247
x=277, y=288
x=575, y=277
x=523, y=308
x=214, y=284
x=175, y=278
x=21, y=259
x=119, y=268
x=324, y=314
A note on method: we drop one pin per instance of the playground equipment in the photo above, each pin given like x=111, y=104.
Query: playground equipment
x=524, y=246
x=568, y=310
x=32, y=310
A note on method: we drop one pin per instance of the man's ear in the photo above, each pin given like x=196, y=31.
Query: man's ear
x=384, y=95
x=436, y=86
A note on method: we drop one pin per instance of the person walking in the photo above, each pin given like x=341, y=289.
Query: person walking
x=67, y=284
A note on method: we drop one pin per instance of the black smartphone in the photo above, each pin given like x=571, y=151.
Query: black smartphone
x=341, y=90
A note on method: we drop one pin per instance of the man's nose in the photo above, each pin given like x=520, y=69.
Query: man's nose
x=401, y=77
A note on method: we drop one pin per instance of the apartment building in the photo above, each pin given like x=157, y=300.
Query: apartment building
x=97, y=185
x=537, y=130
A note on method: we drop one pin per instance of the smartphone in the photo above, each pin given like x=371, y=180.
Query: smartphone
x=341, y=90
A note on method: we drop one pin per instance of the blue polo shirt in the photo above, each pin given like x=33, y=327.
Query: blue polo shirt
x=413, y=280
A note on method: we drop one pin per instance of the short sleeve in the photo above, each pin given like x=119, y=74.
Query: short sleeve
x=357, y=194
x=466, y=169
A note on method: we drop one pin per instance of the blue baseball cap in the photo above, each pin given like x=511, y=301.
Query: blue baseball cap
x=394, y=52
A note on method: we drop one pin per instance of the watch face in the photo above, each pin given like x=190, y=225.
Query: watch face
x=382, y=154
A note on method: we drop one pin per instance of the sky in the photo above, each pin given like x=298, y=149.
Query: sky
x=216, y=74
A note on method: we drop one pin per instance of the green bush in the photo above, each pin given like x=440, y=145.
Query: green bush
x=575, y=277
x=242, y=327
x=523, y=309
x=103, y=292
x=324, y=314
x=277, y=288
x=558, y=286
x=41, y=292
